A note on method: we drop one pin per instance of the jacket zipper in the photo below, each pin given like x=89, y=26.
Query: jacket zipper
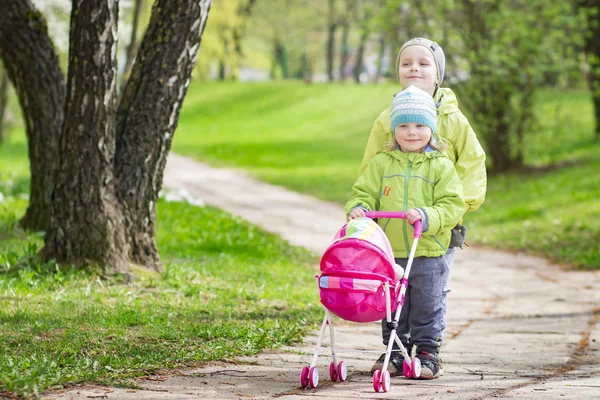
x=405, y=222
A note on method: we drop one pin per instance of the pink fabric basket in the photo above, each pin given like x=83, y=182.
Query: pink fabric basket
x=354, y=270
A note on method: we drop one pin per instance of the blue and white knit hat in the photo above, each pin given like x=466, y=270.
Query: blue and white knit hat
x=413, y=105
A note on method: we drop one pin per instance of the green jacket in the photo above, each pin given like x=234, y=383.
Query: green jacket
x=464, y=149
x=397, y=181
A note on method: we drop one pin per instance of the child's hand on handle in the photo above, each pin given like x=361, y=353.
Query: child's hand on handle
x=413, y=215
x=356, y=212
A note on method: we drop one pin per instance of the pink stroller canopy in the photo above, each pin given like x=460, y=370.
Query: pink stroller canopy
x=360, y=245
x=354, y=269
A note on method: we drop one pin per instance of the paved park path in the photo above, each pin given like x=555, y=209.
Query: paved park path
x=518, y=327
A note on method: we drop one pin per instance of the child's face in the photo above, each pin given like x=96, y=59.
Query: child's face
x=412, y=137
x=417, y=67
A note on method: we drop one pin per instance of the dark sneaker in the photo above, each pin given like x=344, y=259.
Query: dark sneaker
x=431, y=366
x=394, y=366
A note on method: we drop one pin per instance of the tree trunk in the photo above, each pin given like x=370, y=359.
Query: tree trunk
x=239, y=32
x=330, y=41
x=345, y=53
x=592, y=48
x=596, y=101
x=380, y=57
x=148, y=113
x=223, y=61
x=359, y=56
x=3, y=100
x=86, y=225
x=281, y=55
x=500, y=145
x=33, y=69
x=306, y=70
x=131, y=47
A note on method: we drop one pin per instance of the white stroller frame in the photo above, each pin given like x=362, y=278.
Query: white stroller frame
x=309, y=376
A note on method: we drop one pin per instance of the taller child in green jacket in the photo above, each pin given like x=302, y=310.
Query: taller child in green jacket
x=413, y=176
x=421, y=62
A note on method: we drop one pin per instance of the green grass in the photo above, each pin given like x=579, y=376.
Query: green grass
x=229, y=289
x=564, y=130
x=306, y=137
x=310, y=138
x=553, y=214
x=14, y=164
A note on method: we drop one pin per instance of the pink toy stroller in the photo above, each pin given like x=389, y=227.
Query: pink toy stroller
x=359, y=282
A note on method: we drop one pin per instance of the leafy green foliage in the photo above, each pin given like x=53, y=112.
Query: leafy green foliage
x=513, y=48
x=219, y=39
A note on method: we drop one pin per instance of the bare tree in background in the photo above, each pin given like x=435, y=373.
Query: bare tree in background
x=332, y=25
x=364, y=15
x=346, y=21
x=3, y=101
x=592, y=51
x=132, y=46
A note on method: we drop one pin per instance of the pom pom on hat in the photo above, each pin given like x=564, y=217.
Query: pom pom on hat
x=413, y=105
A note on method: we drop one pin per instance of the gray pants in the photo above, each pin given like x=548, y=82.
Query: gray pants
x=423, y=316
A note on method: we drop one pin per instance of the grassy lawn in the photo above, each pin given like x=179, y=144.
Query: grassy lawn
x=311, y=138
x=308, y=138
x=229, y=290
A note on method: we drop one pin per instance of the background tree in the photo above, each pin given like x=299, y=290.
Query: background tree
x=285, y=37
x=332, y=25
x=591, y=9
x=32, y=65
x=510, y=47
x=363, y=13
x=345, y=22
x=244, y=12
x=223, y=47
x=132, y=45
x=3, y=102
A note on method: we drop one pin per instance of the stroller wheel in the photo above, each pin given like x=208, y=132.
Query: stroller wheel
x=342, y=372
x=407, y=369
x=416, y=368
x=377, y=380
x=313, y=377
x=385, y=381
x=304, y=377
x=333, y=372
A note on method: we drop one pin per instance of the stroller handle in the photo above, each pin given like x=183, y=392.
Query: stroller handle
x=418, y=225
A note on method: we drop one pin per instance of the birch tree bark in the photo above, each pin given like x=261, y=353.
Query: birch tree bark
x=86, y=225
x=148, y=115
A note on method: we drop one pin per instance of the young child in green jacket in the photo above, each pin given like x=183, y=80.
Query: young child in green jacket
x=413, y=176
x=421, y=62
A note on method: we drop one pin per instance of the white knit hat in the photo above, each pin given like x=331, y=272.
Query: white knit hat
x=413, y=105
